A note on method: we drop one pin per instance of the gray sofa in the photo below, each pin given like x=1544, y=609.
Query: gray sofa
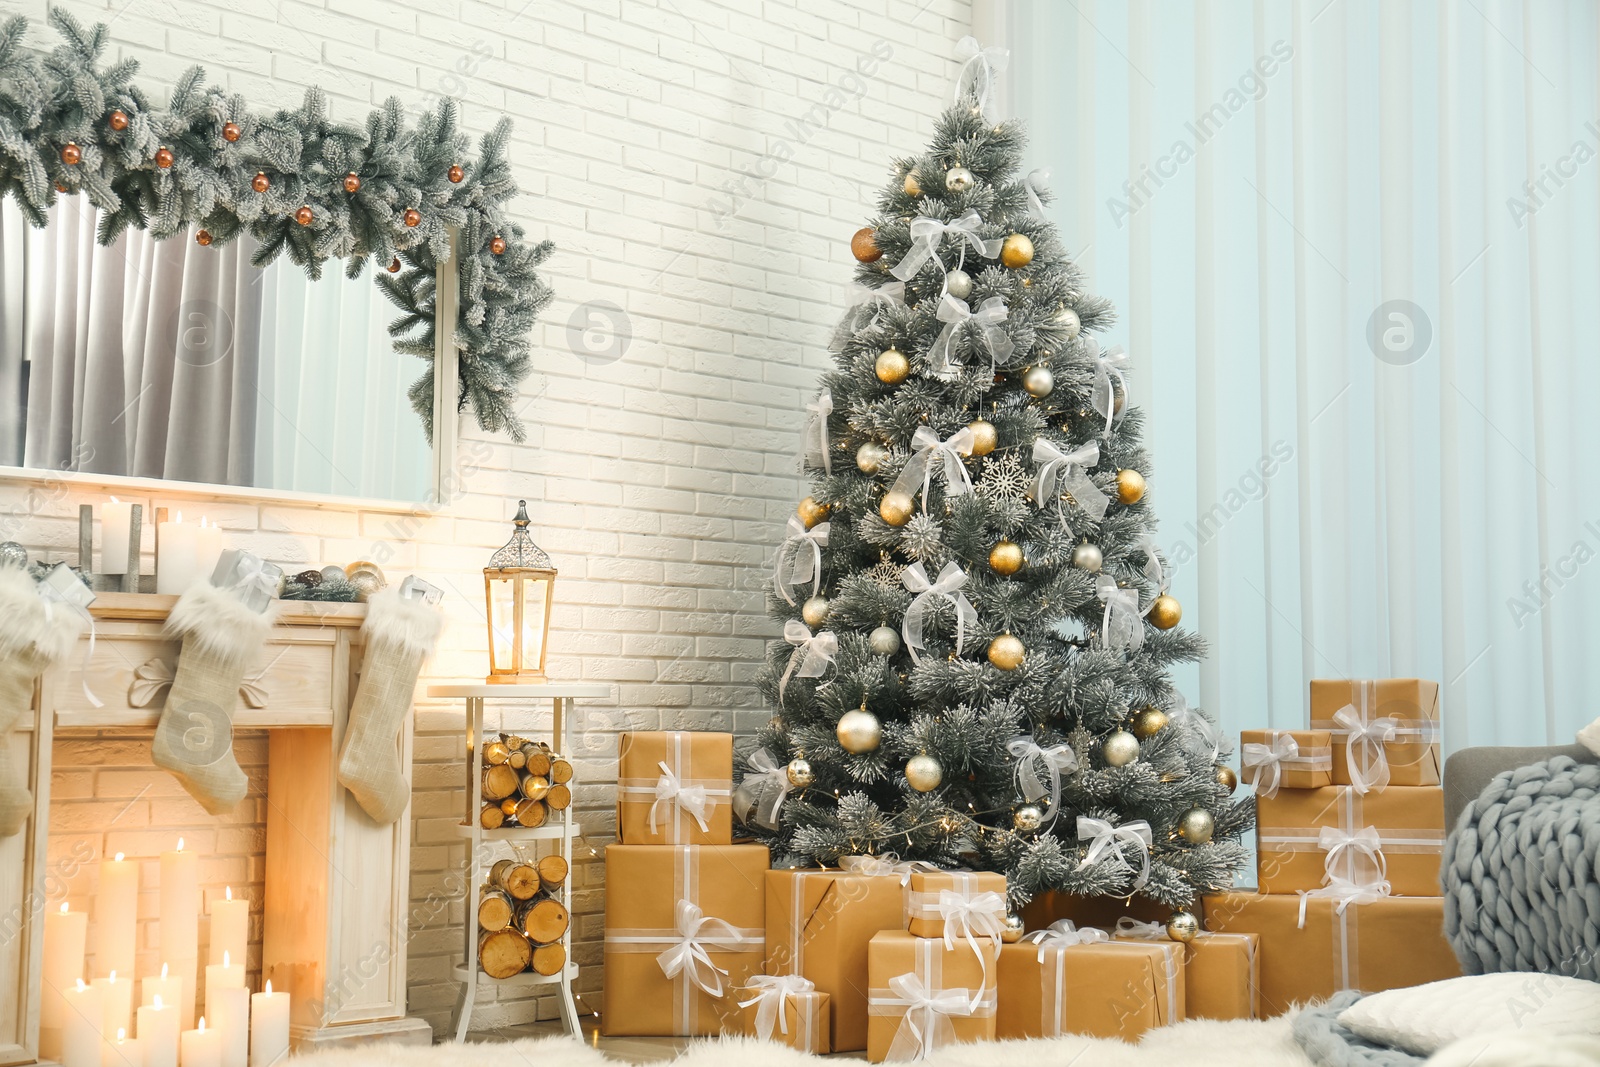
x=1468, y=771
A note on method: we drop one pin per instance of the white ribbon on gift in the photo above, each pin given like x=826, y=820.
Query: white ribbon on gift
x=1064, y=933
x=864, y=304
x=1268, y=760
x=770, y=992
x=764, y=768
x=1353, y=856
x=61, y=586
x=1344, y=893
x=1128, y=926
x=812, y=653
x=1122, y=625
x=948, y=586
x=1037, y=185
x=926, y=1024
x=1038, y=770
x=692, y=800
x=1069, y=472
x=690, y=956
x=955, y=313
x=888, y=865
x=1365, y=754
x=970, y=916
x=927, y=233
x=800, y=557
x=1105, y=839
x=949, y=454
x=979, y=67
x=1107, y=378
x=820, y=409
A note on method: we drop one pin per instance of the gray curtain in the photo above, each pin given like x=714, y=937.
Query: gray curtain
x=143, y=353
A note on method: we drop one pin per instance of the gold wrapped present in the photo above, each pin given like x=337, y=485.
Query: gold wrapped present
x=675, y=788
x=972, y=902
x=926, y=997
x=1221, y=972
x=1385, y=731
x=1309, y=837
x=786, y=1009
x=1066, y=980
x=1286, y=759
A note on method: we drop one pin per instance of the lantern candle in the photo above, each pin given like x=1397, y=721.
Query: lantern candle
x=125, y=1051
x=518, y=585
x=116, y=914
x=180, y=922
x=158, y=1033
x=65, y=932
x=200, y=1047
x=116, y=530
x=269, y=1027
x=116, y=998
x=230, y=929
x=81, y=1033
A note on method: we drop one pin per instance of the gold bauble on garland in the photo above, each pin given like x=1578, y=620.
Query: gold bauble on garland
x=1027, y=818
x=910, y=184
x=231, y=132
x=864, y=245
x=261, y=183
x=117, y=120
x=1006, y=652
x=870, y=456
x=1196, y=826
x=892, y=366
x=859, y=731
x=1016, y=250
x=1149, y=721
x=1130, y=486
x=815, y=611
x=1183, y=927
x=984, y=437
x=1006, y=558
x=71, y=154
x=1165, y=611
x=1227, y=778
x=896, y=508
x=924, y=773
x=352, y=182
x=163, y=157
x=800, y=773
x=1120, y=749
x=811, y=512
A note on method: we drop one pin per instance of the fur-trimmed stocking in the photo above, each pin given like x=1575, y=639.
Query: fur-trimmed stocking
x=31, y=639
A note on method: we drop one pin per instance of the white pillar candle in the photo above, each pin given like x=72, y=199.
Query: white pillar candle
x=207, y=549
x=158, y=1033
x=64, y=936
x=123, y=1051
x=229, y=1011
x=269, y=1027
x=116, y=917
x=115, y=519
x=177, y=555
x=224, y=975
x=200, y=1047
x=81, y=1035
x=167, y=987
x=230, y=929
x=116, y=997
x=180, y=922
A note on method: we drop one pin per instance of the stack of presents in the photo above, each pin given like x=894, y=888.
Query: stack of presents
x=899, y=959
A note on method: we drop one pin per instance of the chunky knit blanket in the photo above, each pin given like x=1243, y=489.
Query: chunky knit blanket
x=1522, y=873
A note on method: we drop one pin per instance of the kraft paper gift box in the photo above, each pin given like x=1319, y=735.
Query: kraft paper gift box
x=818, y=926
x=1080, y=981
x=1286, y=759
x=669, y=910
x=1306, y=837
x=1221, y=972
x=926, y=997
x=1385, y=731
x=675, y=788
x=1377, y=944
x=975, y=901
x=785, y=1009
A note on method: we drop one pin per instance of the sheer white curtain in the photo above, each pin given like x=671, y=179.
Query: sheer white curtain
x=1356, y=251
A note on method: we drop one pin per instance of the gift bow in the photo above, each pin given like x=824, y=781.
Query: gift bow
x=1107, y=377
x=670, y=790
x=770, y=992
x=1129, y=927
x=820, y=409
x=251, y=573
x=1037, y=185
x=865, y=303
x=812, y=653
x=926, y=1025
x=951, y=579
x=1104, y=838
x=888, y=865
x=1068, y=471
x=762, y=765
x=1339, y=843
x=927, y=233
x=800, y=557
x=1368, y=762
x=1268, y=760
x=1122, y=626
x=690, y=956
x=983, y=63
x=1038, y=771
x=1153, y=569
x=955, y=313
x=1345, y=892
x=949, y=452
x=1064, y=933
x=971, y=916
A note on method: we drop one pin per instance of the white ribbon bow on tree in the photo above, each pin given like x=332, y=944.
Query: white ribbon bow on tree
x=951, y=579
x=1122, y=625
x=800, y=557
x=1267, y=762
x=1068, y=471
x=864, y=304
x=1152, y=568
x=1038, y=771
x=926, y=1025
x=955, y=313
x=888, y=865
x=1106, y=840
x=1038, y=186
x=812, y=653
x=927, y=233
x=1203, y=727
x=690, y=955
x=1367, y=759
x=770, y=992
x=671, y=791
x=817, y=437
x=928, y=449
x=979, y=66
x=767, y=777
x=1064, y=933
x=1360, y=851
x=1108, y=370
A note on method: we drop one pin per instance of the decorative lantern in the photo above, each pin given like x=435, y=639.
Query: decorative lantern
x=517, y=585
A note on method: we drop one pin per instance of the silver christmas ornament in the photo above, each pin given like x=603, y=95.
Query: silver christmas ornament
x=1039, y=382
x=1027, y=818
x=815, y=611
x=1196, y=826
x=800, y=773
x=924, y=773
x=1087, y=557
x=870, y=456
x=1120, y=749
x=1013, y=930
x=859, y=731
x=1068, y=320
x=884, y=641
x=13, y=555
x=1183, y=926
x=959, y=179
x=959, y=283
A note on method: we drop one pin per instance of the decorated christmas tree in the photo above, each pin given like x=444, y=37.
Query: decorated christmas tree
x=978, y=632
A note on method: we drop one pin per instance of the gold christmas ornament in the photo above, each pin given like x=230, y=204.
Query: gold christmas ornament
x=1165, y=611
x=1183, y=927
x=497, y=245
x=815, y=611
x=352, y=182
x=800, y=773
x=1016, y=250
x=1120, y=749
x=1149, y=721
x=303, y=215
x=1227, y=778
x=892, y=366
x=118, y=120
x=163, y=157
x=1013, y=929
x=884, y=641
x=864, y=246
x=261, y=183
x=959, y=179
x=924, y=773
x=910, y=184
x=1087, y=557
x=896, y=508
x=202, y=238
x=1039, y=382
x=1196, y=826
x=958, y=283
x=1027, y=818
x=412, y=217
x=984, y=436
x=1130, y=486
x=455, y=174
x=870, y=456
x=811, y=512
x=1006, y=558
x=1068, y=320
x=859, y=731
x=230, y=131
x=71, y=155
x=1006, y=652
x=394, y=265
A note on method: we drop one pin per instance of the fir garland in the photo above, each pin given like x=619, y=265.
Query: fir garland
x=296, y=181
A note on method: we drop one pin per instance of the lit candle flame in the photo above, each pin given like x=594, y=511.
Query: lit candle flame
x=63, y=907
x=202, y=1024
x=163, y=970
x=80, y=985
x=119, y=857
x=122, y=1031
x=269, y=987
x=114, y=500
x=224, y=958
x=180, y=844
x=228, y=890
x=113, y=977
x=179, y=518
x=156, y=1000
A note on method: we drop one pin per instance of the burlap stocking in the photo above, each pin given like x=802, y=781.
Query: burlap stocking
x=31, y=638
x=222, y=636
x=398, y=634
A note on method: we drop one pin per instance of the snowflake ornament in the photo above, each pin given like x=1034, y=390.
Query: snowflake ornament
x=1005, y=480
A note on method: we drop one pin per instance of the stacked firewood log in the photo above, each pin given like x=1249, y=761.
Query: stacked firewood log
x=523, y=782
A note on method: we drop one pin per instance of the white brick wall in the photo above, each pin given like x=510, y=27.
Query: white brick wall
x=700, y=165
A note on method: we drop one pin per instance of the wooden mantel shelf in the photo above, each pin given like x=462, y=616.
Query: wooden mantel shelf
x=157, y=606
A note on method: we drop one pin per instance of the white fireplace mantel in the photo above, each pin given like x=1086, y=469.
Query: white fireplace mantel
x=337, y=883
